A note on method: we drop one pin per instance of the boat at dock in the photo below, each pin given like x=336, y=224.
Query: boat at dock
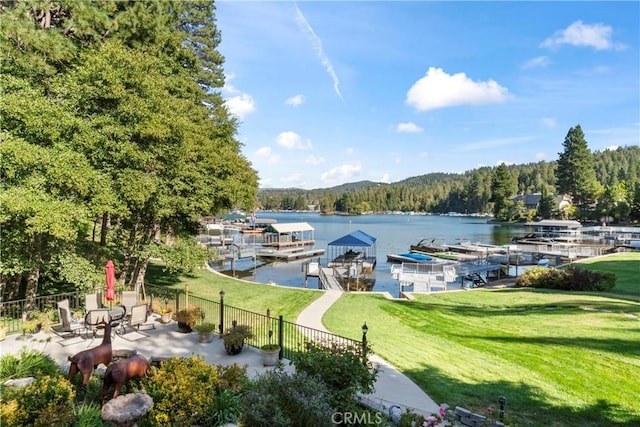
x=429, y=246
x=409, y=257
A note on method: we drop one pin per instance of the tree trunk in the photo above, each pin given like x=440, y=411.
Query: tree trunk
x=169, y=237
x=10, y=287
x=127, y=255
x=142, y=271
x=31, y=291
x=104, y=229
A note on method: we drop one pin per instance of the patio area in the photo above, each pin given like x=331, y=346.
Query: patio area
x=162, y=342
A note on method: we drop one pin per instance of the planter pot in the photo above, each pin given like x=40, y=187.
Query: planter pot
x=184, y=327
x=270, y=357
x=165, y=318
x=205, y=337
x=3, y=333
x=233, y=349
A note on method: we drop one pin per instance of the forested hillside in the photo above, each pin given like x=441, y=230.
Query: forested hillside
x=466, y=193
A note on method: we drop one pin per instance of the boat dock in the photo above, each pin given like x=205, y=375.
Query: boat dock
x=288, y=254
x=427, y=278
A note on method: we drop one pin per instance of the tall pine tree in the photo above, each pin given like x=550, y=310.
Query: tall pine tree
x=576, y=174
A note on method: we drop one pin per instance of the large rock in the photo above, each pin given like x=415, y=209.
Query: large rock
x=125, y=410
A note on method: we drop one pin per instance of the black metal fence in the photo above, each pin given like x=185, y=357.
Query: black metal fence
x=267, y=328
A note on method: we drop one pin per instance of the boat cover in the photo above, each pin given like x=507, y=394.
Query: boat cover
x=356, y=238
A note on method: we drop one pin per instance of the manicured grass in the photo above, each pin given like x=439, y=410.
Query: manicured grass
x=561, y=359
x=288, y=302
x=626, y=267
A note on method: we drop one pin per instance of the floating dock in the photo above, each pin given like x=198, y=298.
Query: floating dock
x=288, y=254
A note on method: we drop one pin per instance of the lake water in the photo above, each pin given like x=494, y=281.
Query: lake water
x=393, y=233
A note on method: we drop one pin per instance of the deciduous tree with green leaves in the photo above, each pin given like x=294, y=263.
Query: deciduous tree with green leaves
x=113, y=120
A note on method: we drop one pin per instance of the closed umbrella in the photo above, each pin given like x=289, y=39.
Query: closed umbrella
x=111, y=281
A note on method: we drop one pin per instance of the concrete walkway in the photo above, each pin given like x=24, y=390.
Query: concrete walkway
x=393, y=390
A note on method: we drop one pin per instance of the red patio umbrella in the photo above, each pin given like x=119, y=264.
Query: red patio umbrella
x=111, y=281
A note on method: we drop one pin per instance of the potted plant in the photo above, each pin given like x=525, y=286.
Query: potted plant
x=165, y=315
x=270, y=352
x=205, y=331
x=235, y=337
x=187, y=318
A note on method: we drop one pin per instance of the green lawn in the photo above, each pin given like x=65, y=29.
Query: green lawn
x=561, y=359
x=288, y=302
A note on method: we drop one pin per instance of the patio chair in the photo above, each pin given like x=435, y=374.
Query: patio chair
x=138, y=319
x=92, y=302
x=67, y=327
x=129, y=299
x=94, y=318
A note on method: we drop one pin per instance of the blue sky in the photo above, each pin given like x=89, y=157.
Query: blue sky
x=344, y=91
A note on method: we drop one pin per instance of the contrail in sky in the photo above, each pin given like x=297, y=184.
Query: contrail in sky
x=317, y=45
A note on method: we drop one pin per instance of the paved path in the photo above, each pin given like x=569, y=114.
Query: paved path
x=392, y=387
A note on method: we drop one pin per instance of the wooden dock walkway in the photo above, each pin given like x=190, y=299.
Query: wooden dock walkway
x=288, y=254
x=327, y=280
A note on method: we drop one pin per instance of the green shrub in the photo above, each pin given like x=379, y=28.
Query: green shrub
x=341, y=369
x=183, y=392
x=226, y=409
x=277, y=398
x=571, y=279
x=88, y=414
x=581, y=279
x=45, y=402
x=27, y=363
x=232, y=377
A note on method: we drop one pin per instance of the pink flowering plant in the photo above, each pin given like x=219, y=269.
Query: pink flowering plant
x=411, y=419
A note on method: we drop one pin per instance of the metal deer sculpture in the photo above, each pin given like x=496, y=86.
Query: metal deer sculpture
x=121, y=372
x=88, y=360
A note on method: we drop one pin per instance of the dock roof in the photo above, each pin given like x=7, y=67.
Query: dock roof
x=290, y=227
x=356, y=238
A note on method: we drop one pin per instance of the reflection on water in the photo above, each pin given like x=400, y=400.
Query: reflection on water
x=394, y=234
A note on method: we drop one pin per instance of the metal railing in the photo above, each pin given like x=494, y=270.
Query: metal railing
x=14, y=314
x=267, y=329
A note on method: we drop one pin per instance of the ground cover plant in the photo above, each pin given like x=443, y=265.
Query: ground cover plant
x=561, y=358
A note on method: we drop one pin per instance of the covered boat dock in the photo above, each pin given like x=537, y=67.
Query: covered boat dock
x=355, y=248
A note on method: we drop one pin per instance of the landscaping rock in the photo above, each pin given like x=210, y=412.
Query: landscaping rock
x=124, y=411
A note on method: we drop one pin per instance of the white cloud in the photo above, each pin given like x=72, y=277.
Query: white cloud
x=538, y=61
x=317, y=45
x=296, y=100
x=313, y=160
x=265, y=153
x=264, y=183
x=408, y=127
x=291, y=140
x=438, y=89
x=548, y=122
x=499, y=142
x=541, y=156
x=611, y=148
x=597, y=36
x=424, y=154
x=349, y=151
x=385, y=178
x=295, y=179
x=340, y=174
x=241, y=105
